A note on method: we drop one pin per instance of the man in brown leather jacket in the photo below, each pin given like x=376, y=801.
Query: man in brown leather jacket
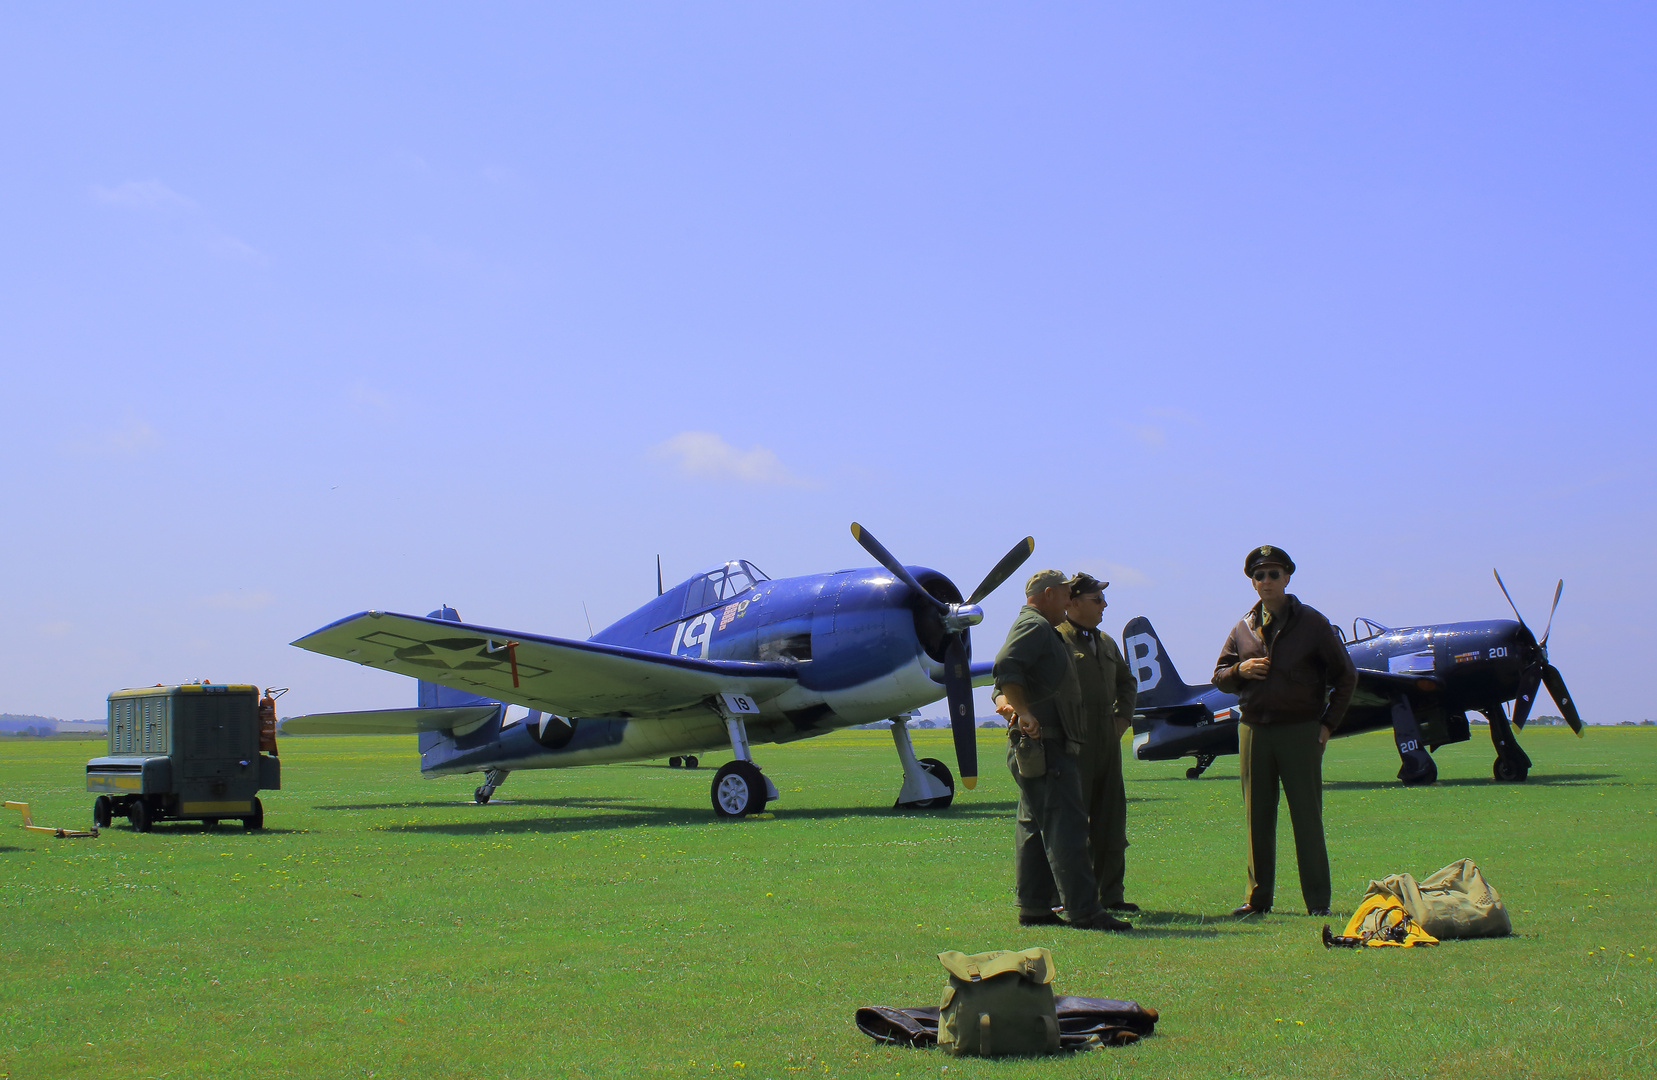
x=1293, y=680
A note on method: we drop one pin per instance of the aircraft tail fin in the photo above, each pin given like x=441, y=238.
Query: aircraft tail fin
x=1159, y=684
x=437, y=696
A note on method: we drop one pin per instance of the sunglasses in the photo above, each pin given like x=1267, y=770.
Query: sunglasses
x=1262, y=575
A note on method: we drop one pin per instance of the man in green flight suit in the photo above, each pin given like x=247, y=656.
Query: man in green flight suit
x=1108, y=691
x=1037, y=692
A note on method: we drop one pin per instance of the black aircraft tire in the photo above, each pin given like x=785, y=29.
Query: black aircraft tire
x=675, y=762
x=939, y=771
x=1193, y=773
x=256, y=820
x=1509, y=772
x=692, y=763
x=103, y=811
x=138, y=812
x=738, y=790
x=480, y=796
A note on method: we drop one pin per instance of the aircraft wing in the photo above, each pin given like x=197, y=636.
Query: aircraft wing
x=1381, y=687
x=459, y=719
x=555, y=675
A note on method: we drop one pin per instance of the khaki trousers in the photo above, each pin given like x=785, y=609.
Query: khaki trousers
x=1106, y=801
x=1286, y=756
x=1051, y=864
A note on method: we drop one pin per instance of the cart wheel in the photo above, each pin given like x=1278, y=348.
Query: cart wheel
x=255, y=820
x=138, y=812
x=102, y=811
x=210, y=823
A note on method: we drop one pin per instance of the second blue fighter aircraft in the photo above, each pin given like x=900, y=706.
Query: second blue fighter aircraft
x=727, y=658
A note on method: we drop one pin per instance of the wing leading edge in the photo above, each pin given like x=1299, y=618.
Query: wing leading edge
x=556, y=675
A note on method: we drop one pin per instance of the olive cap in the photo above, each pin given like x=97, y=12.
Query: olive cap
x=1082, y=583
x=1266, y=555
x=1042, y=580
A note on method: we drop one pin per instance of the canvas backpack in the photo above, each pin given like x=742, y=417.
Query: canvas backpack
x=1455, y=902
x=998, y=1003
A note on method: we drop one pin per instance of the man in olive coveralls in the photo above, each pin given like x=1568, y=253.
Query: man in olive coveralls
x=1293, y=679
x=1037, y=692
x=1108, y=691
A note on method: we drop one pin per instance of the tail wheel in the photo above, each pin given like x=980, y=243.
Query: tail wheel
x=738, y=789
x=256, y=820
x=102, y=811
x=481, y=795
x=138, y=812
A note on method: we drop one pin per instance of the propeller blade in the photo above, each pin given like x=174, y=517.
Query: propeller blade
x=1004, y=569
x=1548, y=629
x=889, y=561
x=962, y=723
x=1562, y=697
x=1510, y=602
x=1529, y=681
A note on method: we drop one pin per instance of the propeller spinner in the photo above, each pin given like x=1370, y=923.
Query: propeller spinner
x=1537, y=670
x=957, y=621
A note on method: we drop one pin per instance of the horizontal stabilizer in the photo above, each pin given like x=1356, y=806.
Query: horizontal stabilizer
x=460, y=718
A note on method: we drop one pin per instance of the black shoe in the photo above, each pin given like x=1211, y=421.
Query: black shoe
x=1103, y=921
x=1242, y=911
x=1123, y=905
x=1319, y=912
x=1051, y=918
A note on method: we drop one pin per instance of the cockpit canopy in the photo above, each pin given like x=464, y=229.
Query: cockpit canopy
x=717, y=586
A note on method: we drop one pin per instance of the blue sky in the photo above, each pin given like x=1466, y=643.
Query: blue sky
x=308, y=310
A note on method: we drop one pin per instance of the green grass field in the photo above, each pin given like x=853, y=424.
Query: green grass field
x=600, y=922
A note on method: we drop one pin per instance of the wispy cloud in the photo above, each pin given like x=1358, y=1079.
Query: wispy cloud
x=707, y=455
x=371, y=396
x=157, y=199
x=143, y=195
x=133, y=437
x=236, y=600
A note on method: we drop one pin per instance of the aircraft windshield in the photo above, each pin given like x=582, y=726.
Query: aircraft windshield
x=1364, y=629
x=731, y=580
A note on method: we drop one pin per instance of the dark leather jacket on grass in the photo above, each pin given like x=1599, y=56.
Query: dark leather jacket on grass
x=1308, y=660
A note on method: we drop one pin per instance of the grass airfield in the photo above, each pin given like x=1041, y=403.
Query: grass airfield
x=600, y=922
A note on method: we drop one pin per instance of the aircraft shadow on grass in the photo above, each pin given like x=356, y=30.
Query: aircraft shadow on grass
x=1568, y=779
x=632, y=813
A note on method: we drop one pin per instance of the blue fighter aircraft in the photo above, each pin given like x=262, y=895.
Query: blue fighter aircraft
x=1418, y=680
x=727, y=658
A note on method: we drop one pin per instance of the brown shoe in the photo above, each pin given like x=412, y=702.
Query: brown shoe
x=1243, y=911
x=1102, y=921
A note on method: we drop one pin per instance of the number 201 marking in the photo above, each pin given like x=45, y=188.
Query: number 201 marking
x=1498, y=651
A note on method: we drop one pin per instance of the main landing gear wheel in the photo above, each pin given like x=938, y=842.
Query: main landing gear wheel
x=138, y=812
x=256, y=820
x=692, y=763
x=675, y=762
x=102, y=811
x=939, y=772
x=738, y=789
x=1508, y=771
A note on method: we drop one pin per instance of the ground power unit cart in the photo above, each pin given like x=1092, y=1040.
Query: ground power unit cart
x=186, y=752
